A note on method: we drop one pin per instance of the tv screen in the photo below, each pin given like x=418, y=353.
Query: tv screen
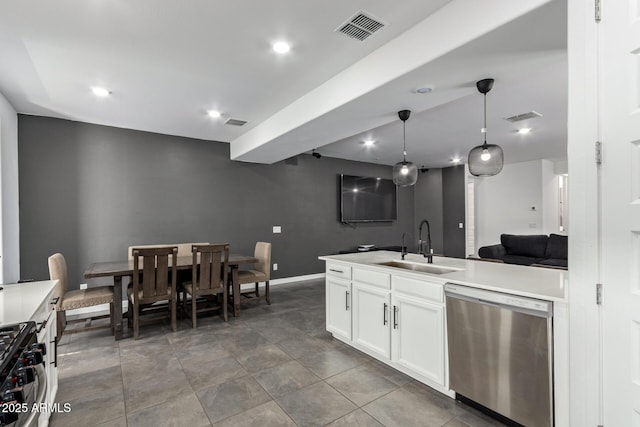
x=365, y=199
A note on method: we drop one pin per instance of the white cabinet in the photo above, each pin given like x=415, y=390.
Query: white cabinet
x=371, y=326
x=397, y=318
x=418, y=336
x=338, y=294
x=339, y=307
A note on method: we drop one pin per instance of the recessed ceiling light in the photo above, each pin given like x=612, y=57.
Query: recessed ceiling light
x=369, y=142
x=524, y=130
x=281, y=47
x=456, y=160
x=425, y=89
x=100, y=91
x=214, y=113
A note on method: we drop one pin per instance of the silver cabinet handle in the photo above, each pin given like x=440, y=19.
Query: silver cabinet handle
x=346, y=300
x=384, y=315
x=395, y=317
x=336, y=271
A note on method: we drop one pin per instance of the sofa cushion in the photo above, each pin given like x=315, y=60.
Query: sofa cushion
x=522, y=260
x=554, y=262
x=557, y=247
x=523, y=245
x=493, y=251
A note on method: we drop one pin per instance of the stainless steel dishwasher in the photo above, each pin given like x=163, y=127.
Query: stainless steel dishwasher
x=501, y=352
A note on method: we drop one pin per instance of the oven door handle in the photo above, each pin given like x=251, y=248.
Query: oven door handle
x=32, y=421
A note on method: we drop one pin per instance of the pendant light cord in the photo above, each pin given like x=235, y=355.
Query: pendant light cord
x=404, y=139
x=485, y=118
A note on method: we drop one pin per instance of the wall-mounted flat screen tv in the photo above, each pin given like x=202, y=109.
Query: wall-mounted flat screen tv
x=367, y=199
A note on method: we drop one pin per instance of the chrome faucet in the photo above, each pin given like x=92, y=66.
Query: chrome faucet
x=428, y=253
x=403, y=248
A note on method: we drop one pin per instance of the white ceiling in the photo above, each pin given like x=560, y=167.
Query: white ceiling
x=167, y=64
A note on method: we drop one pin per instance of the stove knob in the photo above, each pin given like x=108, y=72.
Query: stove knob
x=34, y=357
x=7, y=418
x=17, y=394
x=40, y=346
x=26, y=375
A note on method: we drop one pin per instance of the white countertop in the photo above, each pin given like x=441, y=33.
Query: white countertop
x=19, y=302
x=535, y=282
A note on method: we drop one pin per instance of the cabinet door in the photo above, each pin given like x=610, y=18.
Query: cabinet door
x=339, y=307
x=371, y=319
x=418, y=336
x=48, y=337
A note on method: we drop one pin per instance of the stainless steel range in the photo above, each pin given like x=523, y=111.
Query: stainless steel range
x=23, y=382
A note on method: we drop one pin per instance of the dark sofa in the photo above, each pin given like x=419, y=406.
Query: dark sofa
x=550, y=251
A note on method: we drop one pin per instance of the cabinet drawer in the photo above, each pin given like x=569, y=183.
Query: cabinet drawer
x=374, y=278
x=418, y=288
x=338, y=270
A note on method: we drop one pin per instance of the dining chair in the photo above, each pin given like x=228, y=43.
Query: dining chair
x=184, y=250
x=154, y=279
x=210, y=274
x=260, y=272
x=77, y=298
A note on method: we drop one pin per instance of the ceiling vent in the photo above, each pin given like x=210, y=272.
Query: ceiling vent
x=235, y=122
x=360, y=26
x=524, y=116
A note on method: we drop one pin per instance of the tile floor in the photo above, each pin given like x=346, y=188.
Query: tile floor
x=273, y=366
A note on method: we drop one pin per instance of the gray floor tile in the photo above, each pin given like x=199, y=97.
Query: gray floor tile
x=231, y=398
x=330, y=362
x=201, y=353
x=214, y=372
x=266, y=415
x=298, y=347
x=456, y=423
x=83, y=362
x=315, y=405
x=92, y=410
x=388, y=373
x=180, y=411
x=285, y=378
x=98, y=381
x=357, y=418
x=261, y=358
x=361, y=384
x=243, y=341
x=409, y=406
x=118, y=422
x=155, y=389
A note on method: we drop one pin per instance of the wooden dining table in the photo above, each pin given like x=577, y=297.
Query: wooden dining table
x=120, y=269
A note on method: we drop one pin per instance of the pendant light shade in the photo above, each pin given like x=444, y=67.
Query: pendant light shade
x=404, y=173
x=485, y=159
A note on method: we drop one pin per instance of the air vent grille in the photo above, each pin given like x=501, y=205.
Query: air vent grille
x=235, y=122
x=360, y=26
x=524, y=116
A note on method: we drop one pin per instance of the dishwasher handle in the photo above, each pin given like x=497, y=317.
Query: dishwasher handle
x=524, y=305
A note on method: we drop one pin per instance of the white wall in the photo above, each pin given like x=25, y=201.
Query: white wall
x=503, y=203
x=9, y=208
x=550, y=198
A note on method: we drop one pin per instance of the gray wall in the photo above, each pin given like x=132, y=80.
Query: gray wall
x=440, y=199
x=91, y=191
x=428, y=196
x=453, y=192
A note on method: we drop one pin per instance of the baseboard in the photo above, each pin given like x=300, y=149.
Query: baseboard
x=99, y=310
x=292, y=279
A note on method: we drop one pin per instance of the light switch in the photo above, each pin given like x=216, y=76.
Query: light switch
x=460, y=225
x=277, y=229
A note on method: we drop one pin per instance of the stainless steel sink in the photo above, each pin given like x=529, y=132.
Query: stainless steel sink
x=424, y=268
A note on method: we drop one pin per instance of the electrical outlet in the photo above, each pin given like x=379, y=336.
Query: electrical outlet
x=277, y=229
x=275, y=267
x=460, y=225
x=83, y=286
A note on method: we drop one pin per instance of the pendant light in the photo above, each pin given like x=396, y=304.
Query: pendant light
x=485, y=159
x=405, y=173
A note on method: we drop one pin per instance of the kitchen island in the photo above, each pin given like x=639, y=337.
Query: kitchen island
x=394, y=309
